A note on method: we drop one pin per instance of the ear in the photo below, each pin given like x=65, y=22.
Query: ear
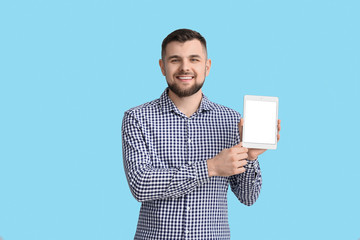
x=207, y=67
x=162, y=67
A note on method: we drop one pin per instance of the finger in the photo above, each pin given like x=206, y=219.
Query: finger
x=279, y=128
x=238, y=149
x=243, y=163
x=241, y=123
x=242, y=156
x=240, y=170
x=279, y=125
x=239, y=154
x=240, y=146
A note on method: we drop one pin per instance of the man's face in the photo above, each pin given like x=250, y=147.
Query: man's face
x=185, y=66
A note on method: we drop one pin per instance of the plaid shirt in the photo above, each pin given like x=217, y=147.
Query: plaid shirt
x=165, y=160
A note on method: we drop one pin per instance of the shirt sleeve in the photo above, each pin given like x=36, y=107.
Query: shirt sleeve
x=246, y=186
x=148, y=183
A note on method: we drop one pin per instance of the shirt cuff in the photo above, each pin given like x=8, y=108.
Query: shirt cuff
x=252, y=165
x=202, y=171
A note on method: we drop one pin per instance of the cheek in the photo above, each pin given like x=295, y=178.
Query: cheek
x=170, y=70
x=201, y=71
x=169, y=73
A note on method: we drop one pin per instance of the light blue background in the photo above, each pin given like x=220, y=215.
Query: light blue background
x=69, y=69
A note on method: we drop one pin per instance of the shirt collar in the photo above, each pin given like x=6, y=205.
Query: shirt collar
x=168, y=105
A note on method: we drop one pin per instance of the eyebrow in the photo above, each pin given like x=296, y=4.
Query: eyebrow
x=195, y=56
x=191, y=56
x=173, y=56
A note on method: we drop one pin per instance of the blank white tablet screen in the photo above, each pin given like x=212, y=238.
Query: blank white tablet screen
x=260, y=122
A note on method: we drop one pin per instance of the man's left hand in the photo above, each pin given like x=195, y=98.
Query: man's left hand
x=253, y=153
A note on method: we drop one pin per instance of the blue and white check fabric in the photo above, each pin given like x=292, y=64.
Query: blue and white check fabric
x=165, y=159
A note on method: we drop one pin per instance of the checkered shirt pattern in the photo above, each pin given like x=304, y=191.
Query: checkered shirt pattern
x=165, y=160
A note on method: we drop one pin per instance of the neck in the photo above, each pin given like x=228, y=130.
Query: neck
x=187, y=105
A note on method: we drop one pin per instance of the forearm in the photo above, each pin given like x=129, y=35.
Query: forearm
x=247, y=186
x=147, y=183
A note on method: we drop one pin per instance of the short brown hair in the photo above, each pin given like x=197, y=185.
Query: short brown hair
x=182, y=35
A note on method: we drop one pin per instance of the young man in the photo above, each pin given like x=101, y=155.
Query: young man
x=182, y=151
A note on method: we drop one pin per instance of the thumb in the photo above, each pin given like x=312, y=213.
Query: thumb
x=240, y=125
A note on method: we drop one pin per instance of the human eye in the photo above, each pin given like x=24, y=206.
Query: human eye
x=174, y=60
x=194, y=60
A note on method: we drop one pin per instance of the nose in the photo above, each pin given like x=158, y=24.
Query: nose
x=185, y=66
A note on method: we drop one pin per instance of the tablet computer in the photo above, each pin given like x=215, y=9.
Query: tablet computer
x=260, y=122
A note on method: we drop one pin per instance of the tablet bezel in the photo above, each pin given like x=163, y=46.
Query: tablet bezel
x=260, y=145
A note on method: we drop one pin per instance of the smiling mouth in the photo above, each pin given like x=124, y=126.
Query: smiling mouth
x=184, y=78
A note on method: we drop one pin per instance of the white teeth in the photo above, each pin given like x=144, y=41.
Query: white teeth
x=185, y=78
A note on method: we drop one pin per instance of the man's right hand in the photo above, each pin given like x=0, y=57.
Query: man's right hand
x=228, y=162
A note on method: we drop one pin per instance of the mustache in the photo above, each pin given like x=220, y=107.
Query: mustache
x=184, y=73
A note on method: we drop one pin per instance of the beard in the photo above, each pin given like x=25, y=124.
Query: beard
x=175, y=88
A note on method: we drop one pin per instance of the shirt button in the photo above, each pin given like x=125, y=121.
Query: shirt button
x=187, y=231
x=189, y=140
x=188, y=208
